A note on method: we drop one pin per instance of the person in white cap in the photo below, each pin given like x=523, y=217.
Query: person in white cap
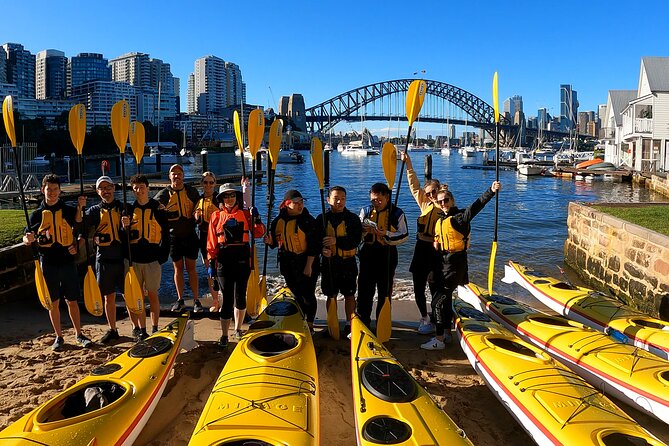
x=229, y=255
x=111, y=254
x=179, y=200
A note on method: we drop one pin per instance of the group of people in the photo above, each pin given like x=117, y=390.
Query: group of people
x=180, y=223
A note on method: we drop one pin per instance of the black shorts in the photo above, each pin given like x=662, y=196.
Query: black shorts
x=62, y=280
x=111, y=277
x=344, y=276
x=187, y=247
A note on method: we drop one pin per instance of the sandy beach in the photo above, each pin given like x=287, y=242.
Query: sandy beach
x=32, y=373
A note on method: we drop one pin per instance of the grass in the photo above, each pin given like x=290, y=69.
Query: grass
x=655, y=218
x=11, y=229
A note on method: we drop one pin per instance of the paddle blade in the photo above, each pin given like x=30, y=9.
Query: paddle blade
x=256, y=130
x=491, y=266
x=415, y=98
x=238, y=131
x=137, y=140
x=8, y=117
x=120, y=123
x=42, y=289
x=389, y=161
x=333, y=319
x=132, y=292
x=253, y=288
x=92, y=296
x=384, y=325
x=263, y=294
x=317, y=160
x=77, y=126
x=275, y=133
x=495, y=97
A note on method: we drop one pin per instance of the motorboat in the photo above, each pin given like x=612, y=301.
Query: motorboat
x=468, y=151
x=290, y=157
x=39, y=160
x=530, y=169
x=168, y=155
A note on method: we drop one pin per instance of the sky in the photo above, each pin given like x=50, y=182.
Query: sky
x=323, y=48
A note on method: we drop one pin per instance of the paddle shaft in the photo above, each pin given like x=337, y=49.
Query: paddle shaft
x=125, y=199
x=270, y=191
x=399, y=181
x=496, y=179
x=253, y=205
x=83, y=211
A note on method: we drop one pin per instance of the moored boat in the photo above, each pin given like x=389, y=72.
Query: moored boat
x=390, y=407
x=554, y=405
x=594, y=309
x=530, y=169
x=267, y=393
x=622, y=371
x=584, y=164
x=112, y=404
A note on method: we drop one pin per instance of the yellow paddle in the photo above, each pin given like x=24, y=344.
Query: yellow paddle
x=256, y=132
x=137, y=141
x=77, y=127
x=275, y=133
x=331, y=302
x=240, y=139
x=40, y=283
x=384, y=324
x=415, y=98
x=493, y=251
x=120, y=122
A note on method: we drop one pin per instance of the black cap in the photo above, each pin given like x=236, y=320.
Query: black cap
x=292, y=194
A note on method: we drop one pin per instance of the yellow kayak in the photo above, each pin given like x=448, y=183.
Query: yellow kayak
x=594, y=309
x=390, y=406
x=111, y=405
x=267, y=393
x=625, y=372
x=554, y=405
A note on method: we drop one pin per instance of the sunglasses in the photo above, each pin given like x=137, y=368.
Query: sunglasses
x=444, y=200
x=229, y=195
x=208, y=182
x=431, y=192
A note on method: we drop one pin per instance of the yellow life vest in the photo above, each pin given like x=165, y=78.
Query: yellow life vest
x=448, y=239
x=290, y=237
x=207, y=206
x=107, y=231
x=54, y=229
x=381, y=220
x=426, y=222
x=339, y=231
x=145, y=227
x=179, y=205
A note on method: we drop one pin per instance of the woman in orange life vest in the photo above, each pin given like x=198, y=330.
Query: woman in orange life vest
x=229, y=255
x=203, y=210
x=451, y=240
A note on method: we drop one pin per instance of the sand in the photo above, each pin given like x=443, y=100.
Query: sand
x=31, y=374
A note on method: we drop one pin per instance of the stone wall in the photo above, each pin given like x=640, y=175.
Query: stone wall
x=618, y=256
x=659, y=184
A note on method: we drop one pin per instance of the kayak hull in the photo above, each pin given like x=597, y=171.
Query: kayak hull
x=110, y=406
x=554, y=405
x=389, y=403
x=622, y=371
x=267, y=392
x=594, y=309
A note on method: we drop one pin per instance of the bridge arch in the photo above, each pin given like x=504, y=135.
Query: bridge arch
x=321, y=118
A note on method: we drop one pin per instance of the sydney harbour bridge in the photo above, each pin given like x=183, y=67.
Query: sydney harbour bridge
x=385, y=101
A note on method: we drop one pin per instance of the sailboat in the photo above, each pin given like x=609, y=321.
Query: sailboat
x=467, y=150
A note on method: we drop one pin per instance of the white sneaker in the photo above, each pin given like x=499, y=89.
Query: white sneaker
x=425, y=327
x=433, y=344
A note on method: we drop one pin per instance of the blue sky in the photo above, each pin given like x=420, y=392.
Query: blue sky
x=323, y=48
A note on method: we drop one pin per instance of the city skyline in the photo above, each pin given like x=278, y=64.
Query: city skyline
x=310, y=50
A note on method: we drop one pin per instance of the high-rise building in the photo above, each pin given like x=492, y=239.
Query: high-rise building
x=210, y=87
x=133, y=69
x=3, y=67
x=451, y=131
x=20, y=66
x=87, y=67
x=234, y=86
x=177, y=92
x=568, y=106
x=190, y=95
x=512, y=105
x=50, y=74
x=543, y=118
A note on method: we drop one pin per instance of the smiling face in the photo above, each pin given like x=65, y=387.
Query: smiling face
x=106, y=191
x=444, y=201
x=229, y=199
x=379, y=200
x=337, y=200
x=208, y=184
x=51, y=193
x=141, y=192
x=431, y=193
x=177, y=179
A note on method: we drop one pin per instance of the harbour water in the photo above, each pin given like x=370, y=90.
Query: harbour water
x=532, y=223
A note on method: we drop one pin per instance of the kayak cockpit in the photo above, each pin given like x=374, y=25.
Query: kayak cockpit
x=273, y=344
x=85, y=400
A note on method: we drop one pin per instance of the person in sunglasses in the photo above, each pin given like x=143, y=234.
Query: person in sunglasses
x=423, y=254
x=451, y=241
x=207, y=205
